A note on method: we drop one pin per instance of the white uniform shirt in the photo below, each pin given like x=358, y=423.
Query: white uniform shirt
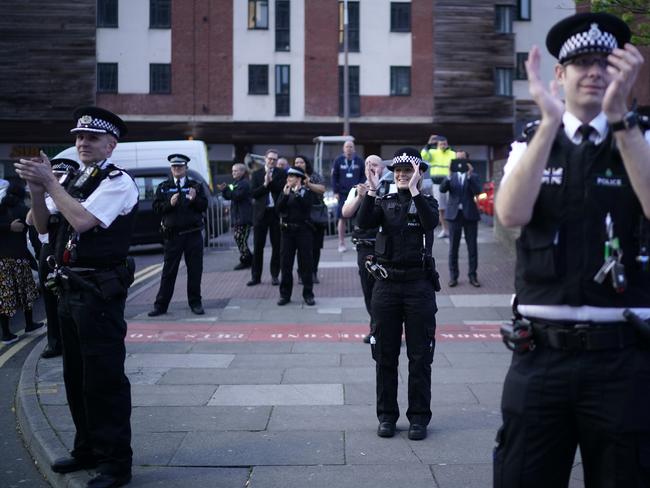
x=566, y=312
x=112, y=198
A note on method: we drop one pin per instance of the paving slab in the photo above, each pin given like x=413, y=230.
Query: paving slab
x=221, y=376
x=455, y=446
x=284, y=360
x=487, y=393
x=158, y=347
x=146, y=360
x=206, y=418
x=171, y=395
x=184, y=477
x=260, y=448
x=145, y=376
x=366, y=447
x=306, y=394
x=477, y=359
x=376, y=476
x=463, y=475
x=441, y=394
x=242, y=347
x=323, y=418
x=331, y=347
x=329, y=375
x=59, y=417
x=488, y=374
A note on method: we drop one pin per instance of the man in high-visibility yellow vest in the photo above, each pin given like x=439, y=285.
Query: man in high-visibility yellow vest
x=439, y=158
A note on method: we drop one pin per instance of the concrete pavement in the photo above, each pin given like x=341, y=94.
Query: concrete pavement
x=261, y=396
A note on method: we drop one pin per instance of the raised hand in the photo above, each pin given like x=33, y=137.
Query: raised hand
x=415, y=177
x=372, y=177
x=548, y=100
x=624, y=66
x=362, y=189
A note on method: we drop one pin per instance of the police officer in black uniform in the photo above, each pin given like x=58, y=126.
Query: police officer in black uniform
x=404, y=292
x=578, y=184
x=181, y=202
x=297, y=233
x=93, y=276
x=364, y=239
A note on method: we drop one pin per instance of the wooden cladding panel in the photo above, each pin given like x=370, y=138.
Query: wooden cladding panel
x=47, y=53
x=467, y=51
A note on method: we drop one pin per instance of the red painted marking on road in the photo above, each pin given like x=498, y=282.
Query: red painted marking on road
x=193, y=332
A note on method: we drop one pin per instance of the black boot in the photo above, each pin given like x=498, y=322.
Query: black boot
x=7, y=336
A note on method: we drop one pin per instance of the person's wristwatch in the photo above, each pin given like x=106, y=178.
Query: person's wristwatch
x=629, y=120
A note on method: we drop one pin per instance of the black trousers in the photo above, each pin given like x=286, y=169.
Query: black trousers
x=271, y=224
x=98, y=391
x=319, y=238
x=367, y=280
x=556, y=400
x=413, y=304
x=191, y=246
x=298, y=241
x=49, y=300
x=456, y=228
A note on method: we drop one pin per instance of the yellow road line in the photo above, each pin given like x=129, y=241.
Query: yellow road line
x=13, y=349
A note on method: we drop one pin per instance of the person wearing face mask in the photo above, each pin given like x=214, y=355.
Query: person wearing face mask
x=266, y=185
x=404, y=294
x=241, y=212
x=578, y=185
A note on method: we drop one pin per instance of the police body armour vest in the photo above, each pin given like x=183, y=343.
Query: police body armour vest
x=369, y=234
x=400, y=238
x=562, y=247
x=99, y=247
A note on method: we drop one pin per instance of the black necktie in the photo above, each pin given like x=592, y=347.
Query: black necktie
x=178, y=184
x=585, y=131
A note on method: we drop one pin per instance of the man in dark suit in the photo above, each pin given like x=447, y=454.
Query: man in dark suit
x=266, y=185
x=462, y=215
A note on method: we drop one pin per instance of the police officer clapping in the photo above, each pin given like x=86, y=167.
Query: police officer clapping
x=404, y=292
x=294, y=206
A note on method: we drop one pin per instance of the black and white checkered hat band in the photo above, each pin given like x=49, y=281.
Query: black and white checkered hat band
x=406, y=159
x=96, y=125
x=593, y=40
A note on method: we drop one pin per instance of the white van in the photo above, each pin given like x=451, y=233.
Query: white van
x=153, y=154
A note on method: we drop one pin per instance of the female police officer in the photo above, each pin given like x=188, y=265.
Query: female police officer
x=404, y=291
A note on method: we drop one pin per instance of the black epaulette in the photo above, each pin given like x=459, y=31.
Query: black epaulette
x=388, y=196
x=529, y=131
x=114, y=171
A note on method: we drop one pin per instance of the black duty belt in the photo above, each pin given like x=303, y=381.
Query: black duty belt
x=405, y=274
x=590, y=336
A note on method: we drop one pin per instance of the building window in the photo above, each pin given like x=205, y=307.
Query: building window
x=523, y=10
x=282, y=89
x=106, y=13
x=400, y=80
x=353, y=26
x=160, y=78
x=503, y=82
x=282, y=25
x=503, y=19
x=353, y=86
x=258, y=79
x=258, y=14
x=400, y=17
x=160, y=14
x=106, y=77
x=520, y=66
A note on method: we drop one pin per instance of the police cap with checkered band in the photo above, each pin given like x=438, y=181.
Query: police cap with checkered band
x=586, y=33
x=405, y=156
x=99, y=121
